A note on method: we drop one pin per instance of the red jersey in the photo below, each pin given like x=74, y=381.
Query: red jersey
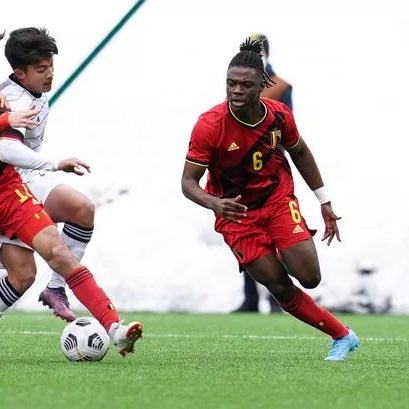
x=21, y=215
x=5, y=169
x=244, y=159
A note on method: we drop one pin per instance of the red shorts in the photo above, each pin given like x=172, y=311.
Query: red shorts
x=276, y=226
x=21, y=215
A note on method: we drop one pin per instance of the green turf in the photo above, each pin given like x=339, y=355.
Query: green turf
x=208, y=362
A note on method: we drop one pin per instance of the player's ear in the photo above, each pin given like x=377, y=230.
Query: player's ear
x=19, y=73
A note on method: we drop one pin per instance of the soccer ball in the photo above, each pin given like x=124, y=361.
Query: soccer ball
x=84, y=339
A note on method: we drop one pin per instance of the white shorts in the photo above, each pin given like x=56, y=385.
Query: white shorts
x=41, y=183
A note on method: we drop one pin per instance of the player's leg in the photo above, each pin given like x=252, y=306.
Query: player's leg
x=268, y=271
x=21, y=271
x=302, y=260
x=288, y=231
x=63, y=204
x=45, y=239
x=76, y=211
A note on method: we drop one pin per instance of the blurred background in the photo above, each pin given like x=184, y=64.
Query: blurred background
x=131, y=111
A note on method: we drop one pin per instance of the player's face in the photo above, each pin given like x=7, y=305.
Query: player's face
x=243, y=86
x=37, y=78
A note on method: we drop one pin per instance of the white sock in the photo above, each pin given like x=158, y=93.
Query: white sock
x=56, y=281
x=114, y=326
x=76, y=238
x=8, y=294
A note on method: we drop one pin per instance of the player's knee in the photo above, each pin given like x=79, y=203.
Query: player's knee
x=60, y=258
x=84, y=212
x=311, y=281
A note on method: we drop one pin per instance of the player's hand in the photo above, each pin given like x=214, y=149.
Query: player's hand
x=230, y=209
x=330, y=220
x=23, y=119
x=74, y=165
x=4, y=106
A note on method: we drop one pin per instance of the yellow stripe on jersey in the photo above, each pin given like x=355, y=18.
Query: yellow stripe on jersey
x=294, y=146
x=196, y=163
x=251, y=125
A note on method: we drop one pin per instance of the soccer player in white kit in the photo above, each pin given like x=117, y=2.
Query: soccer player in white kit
x=25, y=88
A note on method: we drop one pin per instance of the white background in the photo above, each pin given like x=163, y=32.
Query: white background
x=131, y=112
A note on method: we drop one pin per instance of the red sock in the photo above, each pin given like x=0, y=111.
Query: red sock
x=303, y=307
x=83, y=285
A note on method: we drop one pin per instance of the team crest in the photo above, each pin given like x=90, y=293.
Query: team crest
x=275, y=138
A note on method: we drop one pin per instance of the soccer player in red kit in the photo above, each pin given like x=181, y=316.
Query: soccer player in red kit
x=23, y=217
x=251, y=191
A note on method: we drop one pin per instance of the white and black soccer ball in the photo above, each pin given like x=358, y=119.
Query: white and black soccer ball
x=84, y=339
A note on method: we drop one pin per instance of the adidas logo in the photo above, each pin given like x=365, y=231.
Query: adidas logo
x=233, y=147
x=298, y=229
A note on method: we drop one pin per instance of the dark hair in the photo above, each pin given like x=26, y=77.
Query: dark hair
x=263, y=38
x=28, y=46
x=250, y=56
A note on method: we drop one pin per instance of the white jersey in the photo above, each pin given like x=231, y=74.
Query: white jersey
x=20, y=99
x=40, y=182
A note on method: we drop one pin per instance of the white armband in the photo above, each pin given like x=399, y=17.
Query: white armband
x=322, y=195
x=17, y=154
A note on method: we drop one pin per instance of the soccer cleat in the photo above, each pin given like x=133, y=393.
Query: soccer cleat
x=342, y=347
x=125, y=336
x=56, y=300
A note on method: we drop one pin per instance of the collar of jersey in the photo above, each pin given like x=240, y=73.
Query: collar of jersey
x=247, y=124
x=14, y=79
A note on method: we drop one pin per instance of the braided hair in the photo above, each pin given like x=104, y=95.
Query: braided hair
x=250, y=56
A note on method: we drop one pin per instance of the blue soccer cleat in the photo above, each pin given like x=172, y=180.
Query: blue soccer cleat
x=342, y=347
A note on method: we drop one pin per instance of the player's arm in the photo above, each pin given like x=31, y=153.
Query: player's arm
x=14, y=152
x=197, y=160
x=300, y=153
x=192, y=173
x=229, y=208
x=304, y=161
x=20, y=119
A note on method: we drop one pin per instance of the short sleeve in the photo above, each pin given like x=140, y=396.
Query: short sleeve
x=200, y=145
x=291, y=135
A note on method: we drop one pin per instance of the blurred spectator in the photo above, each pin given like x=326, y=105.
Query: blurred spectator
x=366, y=297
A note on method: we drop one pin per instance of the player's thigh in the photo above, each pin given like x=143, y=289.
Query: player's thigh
x=302, y=261
x=268, y=271
x=62, y=202
x=66, y=203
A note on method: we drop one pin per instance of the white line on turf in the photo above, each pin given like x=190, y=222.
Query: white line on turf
x=250, y=337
